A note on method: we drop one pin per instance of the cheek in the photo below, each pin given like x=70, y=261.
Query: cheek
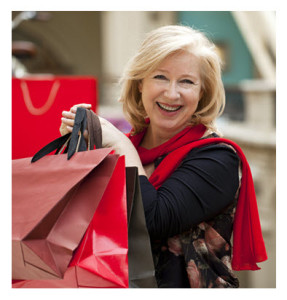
x=193, y=97
x=148, y=94
x=145, y=100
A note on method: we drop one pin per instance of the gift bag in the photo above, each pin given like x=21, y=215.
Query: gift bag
x=54, y=201
x=103, y=259
x=141, y=266
x=37, y=105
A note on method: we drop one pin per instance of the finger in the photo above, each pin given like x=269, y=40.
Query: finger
x=68, y=115
x=69, y=128
x=84, y=105
x=63, y=129
x=73, y=109
x=68, y=122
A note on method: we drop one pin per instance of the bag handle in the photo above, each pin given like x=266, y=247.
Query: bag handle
x=94, y=130
x=75, y=142
x=28, y=102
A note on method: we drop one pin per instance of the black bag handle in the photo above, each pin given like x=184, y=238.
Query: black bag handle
x=54, y=145
x=73, y=141
x=78, y=143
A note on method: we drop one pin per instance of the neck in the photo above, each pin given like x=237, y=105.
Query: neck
x=154, y=138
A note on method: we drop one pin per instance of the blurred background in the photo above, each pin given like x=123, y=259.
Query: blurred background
x=98, y=44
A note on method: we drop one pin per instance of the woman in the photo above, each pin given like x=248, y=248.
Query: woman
x=172, y=93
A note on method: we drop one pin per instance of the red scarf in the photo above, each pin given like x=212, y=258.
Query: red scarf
x=248, y=243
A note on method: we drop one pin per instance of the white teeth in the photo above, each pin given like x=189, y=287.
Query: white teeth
x=168, y=108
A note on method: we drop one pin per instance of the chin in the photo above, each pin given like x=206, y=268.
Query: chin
x=172, y=128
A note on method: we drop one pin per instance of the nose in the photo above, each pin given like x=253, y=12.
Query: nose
x=171, y=92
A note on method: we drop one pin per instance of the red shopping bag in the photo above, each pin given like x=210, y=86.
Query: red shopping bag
x=37, y=104
x=101, y=259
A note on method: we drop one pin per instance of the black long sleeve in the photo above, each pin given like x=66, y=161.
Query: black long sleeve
x=201, y=187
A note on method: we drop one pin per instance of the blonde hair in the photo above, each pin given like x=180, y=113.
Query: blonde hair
x=158, y=45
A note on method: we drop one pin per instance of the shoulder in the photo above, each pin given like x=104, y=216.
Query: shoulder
x=220, y=154
x=214, y=166
x=214, y=150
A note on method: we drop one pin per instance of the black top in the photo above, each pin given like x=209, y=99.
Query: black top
x=203, y=186
x=202, y=189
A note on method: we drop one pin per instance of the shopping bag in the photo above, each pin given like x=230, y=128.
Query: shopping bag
x=37, y=105
x=141, y=266
x=101, y=259
x=53, y=202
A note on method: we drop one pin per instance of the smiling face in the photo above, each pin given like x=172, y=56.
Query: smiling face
x=171, y=93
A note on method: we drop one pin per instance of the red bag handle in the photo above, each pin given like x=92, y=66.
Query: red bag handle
x=28, y=102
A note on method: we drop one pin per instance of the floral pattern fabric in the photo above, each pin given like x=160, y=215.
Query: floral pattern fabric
x=199, y=258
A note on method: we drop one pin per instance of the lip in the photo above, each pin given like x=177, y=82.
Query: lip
x=166, y=112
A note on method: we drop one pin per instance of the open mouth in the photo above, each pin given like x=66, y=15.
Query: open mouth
x=169, y=108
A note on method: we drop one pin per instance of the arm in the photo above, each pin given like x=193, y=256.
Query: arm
x=201, y=188
x=111, y=137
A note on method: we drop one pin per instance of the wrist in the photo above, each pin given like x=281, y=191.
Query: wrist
x=132, y=159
